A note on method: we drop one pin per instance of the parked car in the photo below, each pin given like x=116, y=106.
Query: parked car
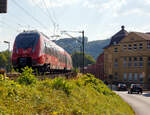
x=122, y=87
x=135, y=88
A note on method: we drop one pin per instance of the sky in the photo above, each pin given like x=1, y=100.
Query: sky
x=100, y=19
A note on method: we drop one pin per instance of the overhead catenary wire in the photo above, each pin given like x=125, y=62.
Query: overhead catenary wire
x=37, y=5
x=10, y=26
x=17, y=20
x=9, y=21
x=23, y=9
x=53, y=14
x=50, y=16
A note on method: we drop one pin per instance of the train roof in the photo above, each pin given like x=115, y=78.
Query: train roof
x=52, y=44
x=30, y=32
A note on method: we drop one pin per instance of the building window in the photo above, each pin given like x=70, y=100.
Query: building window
x=124, y=62
x=140, y=46
x=130, y=77
x=116, y=63
x=114, y=42
x=115, y=49
x=148, y=61
x=149, y=77
x=129, y=47
x=116, y=76
x=141, y=62
x=130, y=62
x=132, y=38
x=148, y=44
x=141, y=77
x=135, y=61
x=135, y=76
x=125, y=76
x=124, y=47
x=134, y=46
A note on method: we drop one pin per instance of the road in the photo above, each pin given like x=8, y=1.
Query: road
x=139, y=103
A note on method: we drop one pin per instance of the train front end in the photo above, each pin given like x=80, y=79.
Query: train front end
x=26, y=50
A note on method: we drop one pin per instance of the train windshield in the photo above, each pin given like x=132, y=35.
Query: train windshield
x=27, y=40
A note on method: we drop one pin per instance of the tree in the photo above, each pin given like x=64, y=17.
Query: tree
x=77, y=59
x=5, y=60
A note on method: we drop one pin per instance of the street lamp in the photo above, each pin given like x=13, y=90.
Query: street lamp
x=75, y=38
x=7, y=42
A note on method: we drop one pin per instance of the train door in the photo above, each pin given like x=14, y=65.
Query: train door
x=66, y=62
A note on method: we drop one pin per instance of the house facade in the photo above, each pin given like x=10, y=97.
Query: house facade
x=97, y=69
x=128, y=59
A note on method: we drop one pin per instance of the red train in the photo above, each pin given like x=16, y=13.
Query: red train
x=36, y=50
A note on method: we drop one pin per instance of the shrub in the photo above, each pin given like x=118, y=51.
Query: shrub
x=76, y=70
x=95, y=83
x=27, y=77
x=2, y=77
x=61, y=84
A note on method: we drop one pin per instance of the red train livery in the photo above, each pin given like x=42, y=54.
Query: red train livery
x=34, y=49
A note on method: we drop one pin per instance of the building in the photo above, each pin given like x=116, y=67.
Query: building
x=97, y=69
x=127, y=57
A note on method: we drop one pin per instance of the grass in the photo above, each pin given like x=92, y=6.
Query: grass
x=82, y=96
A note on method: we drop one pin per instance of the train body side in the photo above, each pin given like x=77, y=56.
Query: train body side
x=35, y=50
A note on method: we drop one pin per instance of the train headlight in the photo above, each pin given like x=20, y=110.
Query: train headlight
x=17, y=51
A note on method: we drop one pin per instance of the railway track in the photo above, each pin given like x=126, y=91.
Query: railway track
x=14, y=76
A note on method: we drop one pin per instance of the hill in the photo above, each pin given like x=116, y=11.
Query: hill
x=94, y=48
x=60, y=96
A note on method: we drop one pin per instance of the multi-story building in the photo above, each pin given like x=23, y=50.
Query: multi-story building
x=97, y=69
x=127, y=57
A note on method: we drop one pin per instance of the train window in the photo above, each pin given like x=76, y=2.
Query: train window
x=59, y=56
x=45, y=47
x=52, y=51
x=57, y=53
x=25, y=41
x=63, y=58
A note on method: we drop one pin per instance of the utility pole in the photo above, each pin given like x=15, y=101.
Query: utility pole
x=83, y=48
x=82, y=42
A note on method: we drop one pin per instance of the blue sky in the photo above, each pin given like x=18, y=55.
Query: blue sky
x=99, y=18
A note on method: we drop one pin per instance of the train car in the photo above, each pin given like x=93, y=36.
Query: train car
x=36, y=50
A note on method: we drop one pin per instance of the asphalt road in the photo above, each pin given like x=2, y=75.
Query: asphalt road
x=139, y=103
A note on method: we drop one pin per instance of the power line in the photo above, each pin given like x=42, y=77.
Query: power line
x=53, y=13
x=40, y=8
x=2, y=22
x=18, y=5
x=50, y=16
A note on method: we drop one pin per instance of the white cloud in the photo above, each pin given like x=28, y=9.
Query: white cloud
x=55, y=3
x=136, y=11
x=112, y=6
x=146, y=1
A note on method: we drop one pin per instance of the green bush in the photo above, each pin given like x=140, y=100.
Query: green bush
x=61, y=84
x=2, y=77
x=27, y=77
x=95, y=83
x=76, y=70
x=50, y=97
